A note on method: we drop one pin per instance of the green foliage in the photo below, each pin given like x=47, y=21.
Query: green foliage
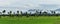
x=17, y=12
x=4, y=11
x=37, y=13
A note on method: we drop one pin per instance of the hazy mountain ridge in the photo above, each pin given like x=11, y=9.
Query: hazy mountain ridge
x=57, y=9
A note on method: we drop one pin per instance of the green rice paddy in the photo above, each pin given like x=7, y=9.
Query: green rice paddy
x=30, y=20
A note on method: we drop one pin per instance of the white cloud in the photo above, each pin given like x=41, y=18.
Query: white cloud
x=27, y=3
x=7, y=2
x=49, y=1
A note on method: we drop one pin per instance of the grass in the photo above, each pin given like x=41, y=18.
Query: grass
x=30, y=20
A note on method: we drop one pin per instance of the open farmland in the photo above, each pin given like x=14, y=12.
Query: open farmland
x=30, y=20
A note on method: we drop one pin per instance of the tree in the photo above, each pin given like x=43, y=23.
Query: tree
x=4, y=11
x=37, y=13
x=45, y=13
x=0, y=13
x=53, y=12
x=30, y=14
x=17, y=12
x=26, y=14
x=40, y=13
x=10, y=12
x=14, y=13
x=21, y=13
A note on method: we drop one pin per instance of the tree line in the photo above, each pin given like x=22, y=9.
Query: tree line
x=20, y=13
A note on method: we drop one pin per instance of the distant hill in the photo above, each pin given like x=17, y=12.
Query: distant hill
x=57, y=9
x=34, y=10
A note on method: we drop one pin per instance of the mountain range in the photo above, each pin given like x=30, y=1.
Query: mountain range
x=57, y=9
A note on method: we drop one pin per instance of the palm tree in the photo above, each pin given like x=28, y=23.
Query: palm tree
x=14, y=13
x=44, y=13
x=36, y=12
x=21, y=13
x=4, y=11
x=53, y=12
x=10, y=12
x=26, y=14
x=30, y=13
x=40, y=13
x=17, y=12
x=0, y=13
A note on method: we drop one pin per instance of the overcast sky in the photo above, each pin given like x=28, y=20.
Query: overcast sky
x=29, y=4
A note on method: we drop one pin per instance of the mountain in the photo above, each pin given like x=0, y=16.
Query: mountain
x=34, y=10
x=57, y=9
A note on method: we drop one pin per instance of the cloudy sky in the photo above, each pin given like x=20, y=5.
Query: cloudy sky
x=29, y=4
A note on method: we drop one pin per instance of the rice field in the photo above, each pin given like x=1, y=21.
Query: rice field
x=30, y=20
